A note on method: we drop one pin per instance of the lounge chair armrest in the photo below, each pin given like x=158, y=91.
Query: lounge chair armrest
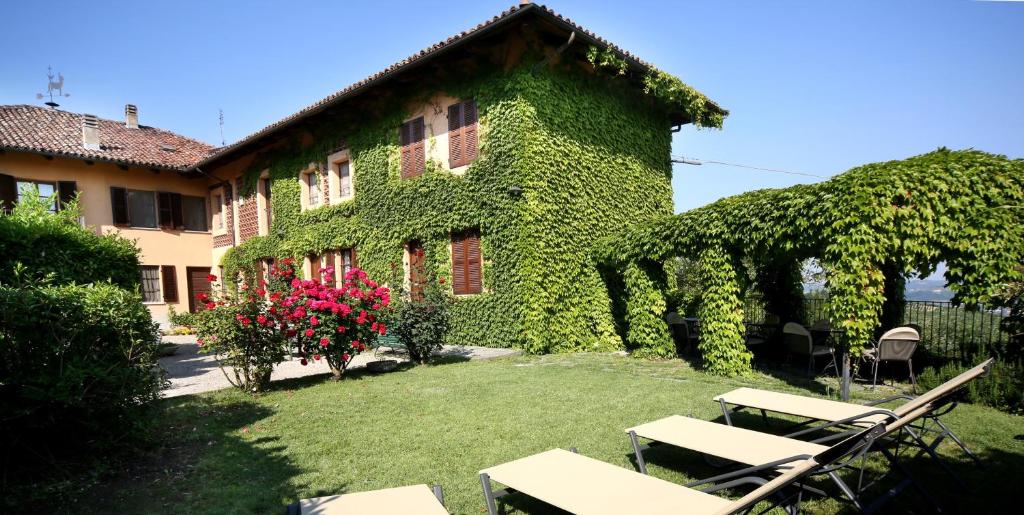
x=890, y=399
x=748, y=480
x=847, y=420
x=748, y=471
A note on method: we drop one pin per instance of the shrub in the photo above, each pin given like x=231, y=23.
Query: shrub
x=77, y=370
x=421, y=321
x=55, y=247
x=1003, y=388
x=245, y=334
x=333, y=323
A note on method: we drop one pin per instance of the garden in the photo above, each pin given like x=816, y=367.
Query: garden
x=85, y=428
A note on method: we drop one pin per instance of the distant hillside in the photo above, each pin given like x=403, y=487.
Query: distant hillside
x=928, y=289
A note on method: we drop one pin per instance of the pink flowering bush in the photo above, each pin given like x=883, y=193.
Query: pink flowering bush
x=332, y=323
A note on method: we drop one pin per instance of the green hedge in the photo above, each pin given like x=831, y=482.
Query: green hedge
x=54, y=246
x=76, y=369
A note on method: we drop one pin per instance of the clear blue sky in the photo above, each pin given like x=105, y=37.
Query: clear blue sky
x=813, y=86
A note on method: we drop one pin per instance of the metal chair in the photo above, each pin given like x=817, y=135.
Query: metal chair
x=897, y=344
x=797, y=340
x=681, y=332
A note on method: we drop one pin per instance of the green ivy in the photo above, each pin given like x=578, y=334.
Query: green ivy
x=867, y=227
x=591, y=156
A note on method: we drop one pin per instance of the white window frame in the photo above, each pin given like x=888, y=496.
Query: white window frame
x=313, y=168
x=334, y=162
x=159, y=285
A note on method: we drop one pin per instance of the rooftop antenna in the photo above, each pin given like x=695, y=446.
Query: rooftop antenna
x=52, y=86
x=221, y=111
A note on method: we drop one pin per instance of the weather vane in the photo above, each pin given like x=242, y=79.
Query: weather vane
x=53, y=86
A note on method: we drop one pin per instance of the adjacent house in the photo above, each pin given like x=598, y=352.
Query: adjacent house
x=491, y=163
x=129, y=178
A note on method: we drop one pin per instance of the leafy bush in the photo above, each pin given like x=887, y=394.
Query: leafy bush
x=77, y=370
x=243, y=332
x=1003, y=388
x=55, y=246
x=421, y=320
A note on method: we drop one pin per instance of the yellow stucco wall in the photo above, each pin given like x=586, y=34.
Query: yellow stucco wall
x=158, y=246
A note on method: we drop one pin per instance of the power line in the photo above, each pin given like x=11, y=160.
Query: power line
x=691, y=161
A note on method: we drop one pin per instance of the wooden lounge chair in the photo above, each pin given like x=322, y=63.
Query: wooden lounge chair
x=846, y=414
x=584, y=485
x=419, y=499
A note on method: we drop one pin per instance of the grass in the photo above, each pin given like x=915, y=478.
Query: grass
x=228, y=453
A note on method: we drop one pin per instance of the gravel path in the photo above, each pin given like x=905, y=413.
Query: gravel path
x=191, y=372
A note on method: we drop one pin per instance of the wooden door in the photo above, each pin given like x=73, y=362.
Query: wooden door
x=198, y=282
x=417, y=274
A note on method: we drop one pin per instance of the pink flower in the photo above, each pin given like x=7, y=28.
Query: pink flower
x=376, y=306
x=211, y=305
x=296, y=283
x=316, y=357
x=212, y=278
x=261, y=319
x=314, y=321
x=324, y=342
x=341, y=328
x=200, y=341
x=345, y=357
x=309, y=333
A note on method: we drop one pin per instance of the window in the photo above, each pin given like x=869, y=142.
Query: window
x=218, y=211
x=410, y=136
x=344, y=180
x=141, y=208
x=462, y=130
x=466, y=275
x=313, y=188
x=194, y=213
x=150, y=283
x=267, y=211
x=315, y=264
x=45, y=189
x=346, y=261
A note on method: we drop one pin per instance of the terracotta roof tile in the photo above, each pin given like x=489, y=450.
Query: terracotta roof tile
x=50, y=131
x=421, y=55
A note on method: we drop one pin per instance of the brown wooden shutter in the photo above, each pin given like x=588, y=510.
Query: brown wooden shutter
x=474, y=282
x=170, y=280
x=164, y=210
x=411, y=136
x=469, y=133
x=353, y=254
x=8, y=192
x=416, y=273
x=314, y=267
x=458, y=263
x=177, y=214
x=119, y=205
x=456, y=156
x=66, y=191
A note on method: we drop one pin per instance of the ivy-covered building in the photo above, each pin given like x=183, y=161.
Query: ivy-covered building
x=504, y=154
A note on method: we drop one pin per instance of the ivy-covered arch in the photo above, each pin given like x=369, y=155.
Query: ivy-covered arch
x=868, y=227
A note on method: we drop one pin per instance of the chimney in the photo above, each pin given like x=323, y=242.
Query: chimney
x=91, y=132
x=131, y=116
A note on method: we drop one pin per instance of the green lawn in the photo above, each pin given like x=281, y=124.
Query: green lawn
x=227, y=453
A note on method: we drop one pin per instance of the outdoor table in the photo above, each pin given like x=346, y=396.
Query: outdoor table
x=829, y=338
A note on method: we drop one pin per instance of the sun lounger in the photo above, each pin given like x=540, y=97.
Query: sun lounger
x=419, y=499
x=845, y=414
x=767, y=454
x=584, y=485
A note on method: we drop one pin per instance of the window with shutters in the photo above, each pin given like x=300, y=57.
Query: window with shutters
x=315, y=263
x=264, y=204
x=467, y=277
x=193, y=213
x=411, y=135
x=142, y=209
x=150, y=282
x=341, y=180
x=46, y=191
x=462, y=133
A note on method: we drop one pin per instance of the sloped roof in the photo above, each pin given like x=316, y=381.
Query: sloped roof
x=463, y=37
x=49, y=131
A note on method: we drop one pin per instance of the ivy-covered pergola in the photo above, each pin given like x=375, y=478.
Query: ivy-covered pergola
x=868, y=227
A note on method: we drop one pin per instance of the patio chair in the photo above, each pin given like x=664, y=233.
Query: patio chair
x=764, y=453
x=583, y=485
x=682, y=333
x=419, y=499
x=797, y=340
x=896, y=344
x=836, y=414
